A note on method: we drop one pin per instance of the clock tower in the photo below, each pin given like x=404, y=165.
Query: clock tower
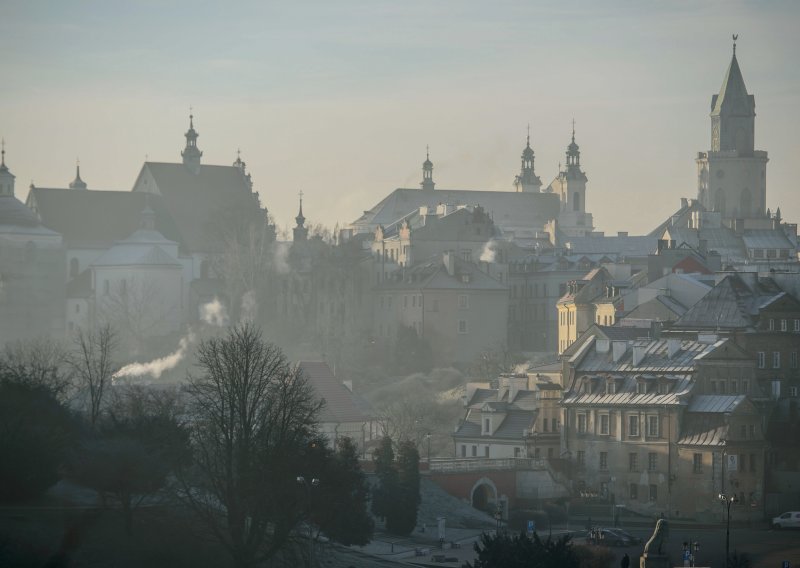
x=732, y=176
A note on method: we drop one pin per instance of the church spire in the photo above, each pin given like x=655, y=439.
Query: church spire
x=77, y=183
x=527, y=180
x=733, y=112
x=300, y=232
x=573, y=153
x=427, y=171
x=6, y=177
x=191, y=154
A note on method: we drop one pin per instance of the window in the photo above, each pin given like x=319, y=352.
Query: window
x=745, y=386
x=762, y=360
x=793, y=360
x=106, y=287
x=405, y=301
x=77, y=308
x=697, y=463
x=633, y=426
x=793, y=392
x=413, y=301
x=487, y=425
x=653, y=492
x=554, y=423
x=734, y=386
x=652, y=461
x=474, y=451
x=463, y=450
x=581, y=458
x=634, y=491
x=463, y=302
x=771, y=324
x=752, y=429
x=516, y=452
x=776, y=359
x=466, y=255
x=550, y=453
x=797, y=325
x=743, y=431
x=784, y=325
x=604, y=424
x=486, y=452
x=752, y=462
x=652, y=426
x=581, y=423
x=633, y=462
x=462, y=326
x=603, y=461
x=537, y=452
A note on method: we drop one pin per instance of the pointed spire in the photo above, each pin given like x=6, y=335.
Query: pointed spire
x=735, y=37
x=300, y=232
x=3, y=153
x=77, y=183
x=191, y=153
x=527, y=180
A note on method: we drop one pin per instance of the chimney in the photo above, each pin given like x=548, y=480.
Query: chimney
x=662, y=244
x=449, y=260
x=684, y=203
x=622, y=233
x=638, y=354
x=673, y=346
x=618, y=349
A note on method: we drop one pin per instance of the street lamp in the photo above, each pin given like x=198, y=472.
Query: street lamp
x=314, y=483
x=728, y=500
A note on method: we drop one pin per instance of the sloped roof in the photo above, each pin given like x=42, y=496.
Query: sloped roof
x=766, y=239
x=715, y=403
x=733, y=93
x=506, y=208
x=97, y=219
x=634, y=245
x=14, y=212
x=201, y=203
x=341, y=404
x=626, y=393
x=432, y=274
x=703, y=430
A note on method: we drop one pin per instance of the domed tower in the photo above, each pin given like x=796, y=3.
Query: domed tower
x=6, y=177
x=427, y=172
x=527, y=180
x=732, y=176
x=191, y=154
x=573, y=195
x=78, y=183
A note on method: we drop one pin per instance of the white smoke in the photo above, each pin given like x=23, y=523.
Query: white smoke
x=488, y=253
x=214, y=313
x=281, y=257
x=249, y=309
x=156, y=367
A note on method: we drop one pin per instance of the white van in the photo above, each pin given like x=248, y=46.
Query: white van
x=789, y=520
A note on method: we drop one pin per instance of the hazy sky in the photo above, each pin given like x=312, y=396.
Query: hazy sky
x=339, y=98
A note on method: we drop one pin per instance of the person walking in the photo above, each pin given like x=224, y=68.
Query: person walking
x=625, y=562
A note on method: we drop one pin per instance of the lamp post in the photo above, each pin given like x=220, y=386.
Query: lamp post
x=314, y=483
x=428, y=438
x=728, y=500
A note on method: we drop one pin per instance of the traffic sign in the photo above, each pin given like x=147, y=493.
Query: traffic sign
x=531, y=527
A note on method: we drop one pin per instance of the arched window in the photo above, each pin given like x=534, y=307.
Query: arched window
x=576, y=201
x=745, y=203
x=73, y=268
x=719, y=201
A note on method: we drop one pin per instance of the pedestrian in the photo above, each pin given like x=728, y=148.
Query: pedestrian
x=625, y=562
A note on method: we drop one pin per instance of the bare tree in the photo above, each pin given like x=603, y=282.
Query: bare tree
x=39, y=362
x=254, y=420
x=93, y=365
x=136, y=308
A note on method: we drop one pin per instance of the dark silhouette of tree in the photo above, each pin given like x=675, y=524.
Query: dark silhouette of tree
x=403, y=517
x=342, y=510
x=38, y=362
x=36, y=432
x=504, y=550
x=254, y=417
x=133, y=450
x=384, y=492
x=93, y=364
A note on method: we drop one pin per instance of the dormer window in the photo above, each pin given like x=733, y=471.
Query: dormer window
x=487, y=425
x=611, y=387
x=641, y=387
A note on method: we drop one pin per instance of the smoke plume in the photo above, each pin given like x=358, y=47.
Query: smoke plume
x=488, y=254
x=281, y=257
x=249, y=306
x=156, y=367
x=214, y=313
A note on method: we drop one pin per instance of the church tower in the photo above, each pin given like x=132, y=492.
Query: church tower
x=731, y=177
x=527, y=180
x=78, y=183
x=427, y=172
x=300, y=232
x=6, y=177
x=570, y=185
x=191, y=154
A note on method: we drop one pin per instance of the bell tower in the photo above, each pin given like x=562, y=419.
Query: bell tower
x=731, y=176
x=527, y=180
x=427, y=172
x=191, y=153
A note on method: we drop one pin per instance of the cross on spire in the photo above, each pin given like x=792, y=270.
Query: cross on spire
x=2, y=152
x=529, y=134
x=191, y=117
x=735, y=37
x=573, y=129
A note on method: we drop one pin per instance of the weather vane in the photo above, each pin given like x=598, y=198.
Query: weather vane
x=735, y=37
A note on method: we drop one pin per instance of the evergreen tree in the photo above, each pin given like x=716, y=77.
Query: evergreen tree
x=505, y=550
x=342, y=513
x=384, y=493
x=403, y=517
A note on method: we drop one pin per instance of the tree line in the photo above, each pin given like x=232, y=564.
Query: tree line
x=230, y=447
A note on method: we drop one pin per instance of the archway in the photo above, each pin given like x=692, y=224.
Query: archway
x=484, y=494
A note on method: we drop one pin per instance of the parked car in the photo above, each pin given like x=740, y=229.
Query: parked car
x=788, y=520
x=634, y=539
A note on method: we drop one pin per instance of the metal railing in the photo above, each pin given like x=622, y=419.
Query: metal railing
x=461, y=465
